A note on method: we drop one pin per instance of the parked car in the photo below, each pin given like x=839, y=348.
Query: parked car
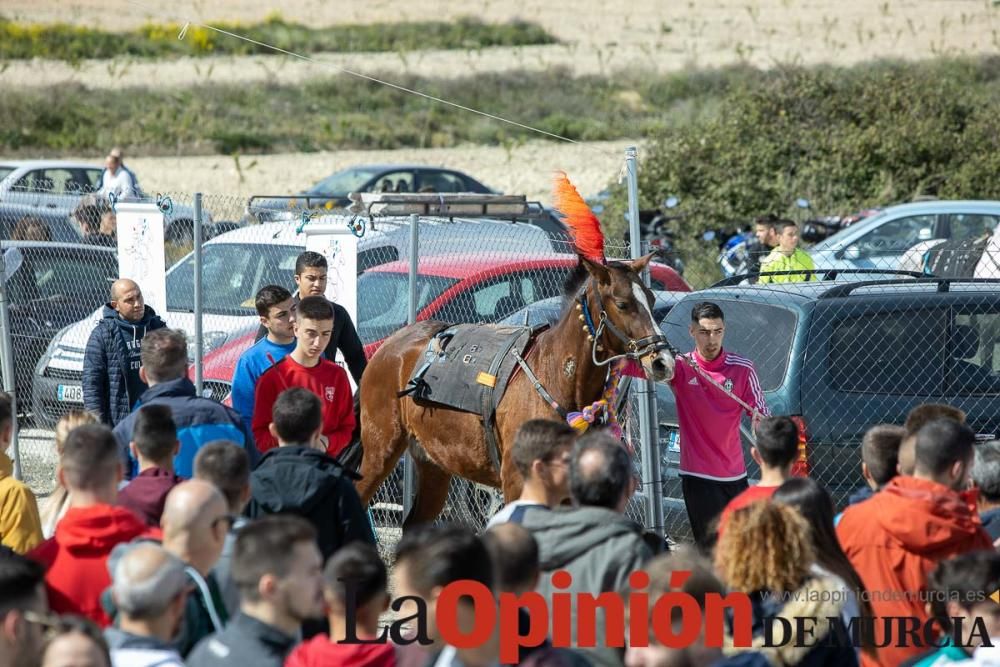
x=333, y=191
x=236, y=265
x=50, y=285
x=548, y=311
x=464, y=288
x=840, y=357
x=52, y=189
x=880, y=240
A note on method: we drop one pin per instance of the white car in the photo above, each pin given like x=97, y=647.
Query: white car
x=880, y=240
x=236, y=265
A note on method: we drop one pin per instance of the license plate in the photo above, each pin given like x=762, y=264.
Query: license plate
x=70, y=393
x=674, y=441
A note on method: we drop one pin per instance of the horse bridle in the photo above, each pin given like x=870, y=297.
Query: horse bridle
x=635, y=349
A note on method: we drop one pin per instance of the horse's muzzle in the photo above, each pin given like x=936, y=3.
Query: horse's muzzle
x=660, y=366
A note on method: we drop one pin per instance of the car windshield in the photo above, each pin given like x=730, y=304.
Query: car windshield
x=385, y=306
x=760, y=332
x=343, y=182
x=65, y=274
x=5, y=171
x=232, y=275
x=840, y=237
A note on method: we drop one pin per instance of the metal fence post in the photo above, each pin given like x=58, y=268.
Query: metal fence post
x=648, y=430
x=199, y=341
x=411, y=319
x=7, y=367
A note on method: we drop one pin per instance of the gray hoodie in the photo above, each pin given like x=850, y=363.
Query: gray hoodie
x=599, y=548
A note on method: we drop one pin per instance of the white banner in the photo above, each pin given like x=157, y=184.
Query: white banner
x=140, y=251
x=330, y=237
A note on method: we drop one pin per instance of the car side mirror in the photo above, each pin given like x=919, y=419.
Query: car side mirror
x=852, y=252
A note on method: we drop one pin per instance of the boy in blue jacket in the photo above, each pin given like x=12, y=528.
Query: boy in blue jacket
x=277, y=315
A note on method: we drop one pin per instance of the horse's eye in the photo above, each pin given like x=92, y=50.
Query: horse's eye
x=621, y=305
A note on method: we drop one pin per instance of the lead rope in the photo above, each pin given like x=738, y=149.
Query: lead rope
x=754, y=412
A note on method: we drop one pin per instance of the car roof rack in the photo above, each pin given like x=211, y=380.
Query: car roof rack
x=445, y=205
x=943, y=284
x=827, y=274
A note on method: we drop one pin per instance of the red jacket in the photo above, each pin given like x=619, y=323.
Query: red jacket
x=895, y=538
x=320, y=652
x=327, y=380
x=76, y=557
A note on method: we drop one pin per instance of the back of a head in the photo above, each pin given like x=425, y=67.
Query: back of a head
x=226, y=465
x=986, y=470
x=880, y=451
x=21, y=583
x=297, y=414
x=963, y=579
x=940, y=444
x=70, y=421
x=439, y=554
x=686, y=558
x=309, y=260
x=155, y=433
x=514, y=551
x=146, y=580
x=778, y=539
x=540, y=440
x=164, y=355
x=778, y=441
x=187, y=509
x=90, y=458
x=360, y=564
x=268, y=297
x=600, y=470
x=315, y=308
x=928, y=412
x=265, y=546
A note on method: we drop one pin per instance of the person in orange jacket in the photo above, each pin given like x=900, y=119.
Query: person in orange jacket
x=900, y=534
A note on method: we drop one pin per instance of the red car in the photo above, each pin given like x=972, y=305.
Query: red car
x=451, y=288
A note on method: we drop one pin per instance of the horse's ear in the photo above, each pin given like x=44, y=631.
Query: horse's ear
x=597, y=271
x=639, y=264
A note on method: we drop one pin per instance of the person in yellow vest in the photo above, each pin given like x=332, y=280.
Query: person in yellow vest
x=787, y=256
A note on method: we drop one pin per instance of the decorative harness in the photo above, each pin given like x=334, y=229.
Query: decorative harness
x=604, y=408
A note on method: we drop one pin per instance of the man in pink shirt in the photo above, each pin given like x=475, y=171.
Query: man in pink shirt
x=712, y=468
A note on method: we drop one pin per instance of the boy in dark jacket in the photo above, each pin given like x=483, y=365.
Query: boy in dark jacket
x=154, y=443
x=111, y=381
x=298, y=477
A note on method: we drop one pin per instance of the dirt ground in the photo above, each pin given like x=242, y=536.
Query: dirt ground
x=525, y=170
x=598, y=37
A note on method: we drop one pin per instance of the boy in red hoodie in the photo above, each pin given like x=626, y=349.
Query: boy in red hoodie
x=154, y=445
x=359, y=564
x=305, y=367
x=76, y=557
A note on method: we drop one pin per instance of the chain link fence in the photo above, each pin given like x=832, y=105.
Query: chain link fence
x=840, y=355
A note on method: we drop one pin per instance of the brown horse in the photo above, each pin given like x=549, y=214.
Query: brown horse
x=452, y=442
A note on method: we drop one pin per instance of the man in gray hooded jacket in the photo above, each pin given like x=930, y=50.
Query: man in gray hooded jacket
x=593, y=542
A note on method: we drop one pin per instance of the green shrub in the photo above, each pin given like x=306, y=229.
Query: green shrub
x=846, y=139
x=65, y=42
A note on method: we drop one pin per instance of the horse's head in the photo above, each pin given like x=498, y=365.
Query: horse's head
x=622, y=313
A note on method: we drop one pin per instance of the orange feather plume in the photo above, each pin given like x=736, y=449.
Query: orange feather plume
x=583, y=225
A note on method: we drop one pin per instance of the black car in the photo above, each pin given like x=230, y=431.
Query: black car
x=333, y=191
x=840, y=357
x=50, y=286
